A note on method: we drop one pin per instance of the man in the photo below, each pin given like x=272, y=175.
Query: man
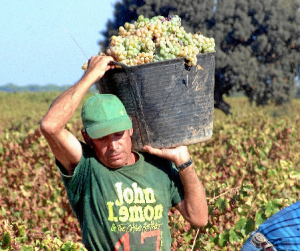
x=120, y=197
x=281, y=232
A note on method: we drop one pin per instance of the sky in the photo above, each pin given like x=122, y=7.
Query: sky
x=47, y=42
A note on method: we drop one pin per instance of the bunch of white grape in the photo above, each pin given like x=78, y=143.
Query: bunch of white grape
x=156, y=39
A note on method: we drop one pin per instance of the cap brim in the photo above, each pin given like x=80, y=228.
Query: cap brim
x=109, y=127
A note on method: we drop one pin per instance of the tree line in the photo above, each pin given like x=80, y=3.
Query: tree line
x=35, y=88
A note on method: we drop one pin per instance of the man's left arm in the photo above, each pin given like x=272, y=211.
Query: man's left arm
x=194, y=205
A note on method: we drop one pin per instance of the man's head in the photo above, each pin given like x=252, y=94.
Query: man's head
x=108, y=128
x=104, y=114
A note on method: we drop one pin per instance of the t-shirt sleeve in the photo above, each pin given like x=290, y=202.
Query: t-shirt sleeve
x=74, y=184
x=177, y=192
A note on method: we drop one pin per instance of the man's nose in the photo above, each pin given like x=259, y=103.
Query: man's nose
x=114, y=144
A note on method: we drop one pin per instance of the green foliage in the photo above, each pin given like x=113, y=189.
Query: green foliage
x=20, y=109
x=250, y=169
x=14, y=237
x=257, y=42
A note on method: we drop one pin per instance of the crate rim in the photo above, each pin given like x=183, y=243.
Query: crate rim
x=169, y=61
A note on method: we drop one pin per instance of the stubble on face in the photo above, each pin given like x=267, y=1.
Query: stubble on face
x=114, y=150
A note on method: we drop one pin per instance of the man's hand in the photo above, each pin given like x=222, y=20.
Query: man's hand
x=97, y=66
x=177, y=155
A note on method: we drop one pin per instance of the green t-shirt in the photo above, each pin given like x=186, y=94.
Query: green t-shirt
x=126, y=208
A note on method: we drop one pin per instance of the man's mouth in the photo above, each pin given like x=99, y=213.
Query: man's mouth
x=114, y=155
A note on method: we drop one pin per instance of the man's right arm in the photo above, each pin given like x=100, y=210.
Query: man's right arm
x=64, y=145
x=194, y=205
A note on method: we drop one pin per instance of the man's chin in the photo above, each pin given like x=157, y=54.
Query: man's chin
x=115, y=163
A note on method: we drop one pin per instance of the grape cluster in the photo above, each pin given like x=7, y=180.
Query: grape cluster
x=157, y=39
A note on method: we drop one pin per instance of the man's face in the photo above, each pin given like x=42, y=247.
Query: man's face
x=114, y=150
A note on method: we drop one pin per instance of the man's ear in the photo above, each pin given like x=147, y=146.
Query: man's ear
x=86, y=138
x=131, y=129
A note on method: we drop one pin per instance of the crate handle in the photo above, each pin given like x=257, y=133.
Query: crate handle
x=119, y=64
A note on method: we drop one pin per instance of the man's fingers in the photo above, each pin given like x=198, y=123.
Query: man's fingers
x=100, y=58
x=152, y=150
x=147, y=149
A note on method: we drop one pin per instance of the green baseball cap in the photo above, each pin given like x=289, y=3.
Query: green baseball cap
x=104, y=114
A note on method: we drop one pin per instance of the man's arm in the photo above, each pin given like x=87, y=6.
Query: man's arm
x=65, y=147
x=194, y=205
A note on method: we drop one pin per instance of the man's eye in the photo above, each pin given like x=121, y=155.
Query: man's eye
x=119, y=134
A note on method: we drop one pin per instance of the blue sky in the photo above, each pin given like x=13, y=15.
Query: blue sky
x=37, y=39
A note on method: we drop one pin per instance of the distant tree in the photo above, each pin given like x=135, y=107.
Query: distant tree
x=257, y=42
